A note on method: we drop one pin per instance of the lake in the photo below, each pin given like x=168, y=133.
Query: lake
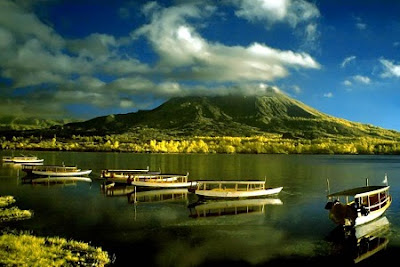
x=166, y=230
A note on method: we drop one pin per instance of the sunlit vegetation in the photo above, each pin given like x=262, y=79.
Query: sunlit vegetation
x=6, y=200
x=24, y=249
x=13, y=213
x=267, y=144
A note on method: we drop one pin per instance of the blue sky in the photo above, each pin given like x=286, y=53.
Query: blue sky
x=82, y=59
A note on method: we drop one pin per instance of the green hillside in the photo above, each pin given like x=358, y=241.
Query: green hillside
x=231, y=115
x=28, y=123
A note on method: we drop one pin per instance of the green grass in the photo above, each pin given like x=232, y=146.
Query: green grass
x=14, y=213
x=23, y=249
x=6, y=200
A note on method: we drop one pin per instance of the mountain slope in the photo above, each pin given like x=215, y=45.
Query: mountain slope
x=230, y=116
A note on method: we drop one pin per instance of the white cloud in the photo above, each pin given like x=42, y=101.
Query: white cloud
x=347, y=83
x=274, y=11
x=390, y=68
x=360, y=24
x=92, y=70
x=328, y=95
x=362, y=79
x=185, y=54
x=347, y=60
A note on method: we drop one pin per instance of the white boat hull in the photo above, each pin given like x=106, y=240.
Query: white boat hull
x=238, y=194
x=372, y=215
x=62, y=174
x=28, y=161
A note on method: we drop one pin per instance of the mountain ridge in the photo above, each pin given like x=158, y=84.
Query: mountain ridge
x=232, y=115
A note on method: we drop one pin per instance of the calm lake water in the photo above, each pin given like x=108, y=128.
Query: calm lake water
x=161, y=231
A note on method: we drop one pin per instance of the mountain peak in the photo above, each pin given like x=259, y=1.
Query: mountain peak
x=231, y=115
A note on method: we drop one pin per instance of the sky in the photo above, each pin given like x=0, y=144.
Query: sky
x=88, y=58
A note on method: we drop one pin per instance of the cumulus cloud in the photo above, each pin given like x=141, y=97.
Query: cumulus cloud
x=274, y=11
x=390, y=68
x=328, y=95
x=362, y=79
x=186, y=54
x=290, y=12
x=347, y=83
x=101, y=70
x=358, y=79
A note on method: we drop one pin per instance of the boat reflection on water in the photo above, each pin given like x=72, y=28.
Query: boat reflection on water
x=117, y=190
x=231, y=207
x=159, y=195
x=69, y=180
x=361, y=242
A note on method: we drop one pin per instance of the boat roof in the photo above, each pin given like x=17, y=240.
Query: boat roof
x=231, y=182
x=361, y=191
x=121, y=170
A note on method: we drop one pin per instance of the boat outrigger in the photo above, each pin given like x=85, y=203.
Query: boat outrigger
x=359, y=205
x=233, y=189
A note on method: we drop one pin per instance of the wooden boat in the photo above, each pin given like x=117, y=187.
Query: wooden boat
x=125, y=173
x=161, y=181
x=22, y=159
x=121, y=176
x=54, y=170
x=233, y=189
x=359, y=205
x=231, y=207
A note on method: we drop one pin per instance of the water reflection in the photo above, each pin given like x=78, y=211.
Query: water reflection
x=231, y=207
x=159, y=195
x=117, y=190
x=52, y=181
x=360, y=243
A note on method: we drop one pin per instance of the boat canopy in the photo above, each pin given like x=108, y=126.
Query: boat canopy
x=231, y=182
x=361, y=191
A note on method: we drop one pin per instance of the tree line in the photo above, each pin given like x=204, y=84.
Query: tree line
x=269, y=144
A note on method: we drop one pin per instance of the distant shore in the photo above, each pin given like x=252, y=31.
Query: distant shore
x=221, y=145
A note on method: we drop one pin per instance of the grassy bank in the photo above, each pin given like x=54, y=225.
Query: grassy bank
x=25, y=249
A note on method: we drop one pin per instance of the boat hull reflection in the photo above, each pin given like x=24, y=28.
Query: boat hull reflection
x=159, y=195
x=361, y=242
x=118, y=190
x=231, y=207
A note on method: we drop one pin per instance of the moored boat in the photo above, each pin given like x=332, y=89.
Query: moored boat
x=161, y=181
x=124, y=176
x=233, y=189
x=54, y=170
x=358, y=205
x=125, y=173
x=22, y=159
